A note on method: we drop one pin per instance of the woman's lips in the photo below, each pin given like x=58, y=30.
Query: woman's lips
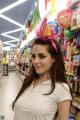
x=38, y=67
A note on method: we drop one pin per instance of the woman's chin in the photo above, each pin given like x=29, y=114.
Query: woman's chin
x=39, y=72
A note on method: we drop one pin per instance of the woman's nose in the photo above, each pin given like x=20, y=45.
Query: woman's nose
x=36, y=60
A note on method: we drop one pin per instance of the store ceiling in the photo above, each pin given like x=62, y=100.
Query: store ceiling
x=13, y=19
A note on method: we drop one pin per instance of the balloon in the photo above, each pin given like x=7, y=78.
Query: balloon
x=55, y=27
x=64, y=18
x=69, y=33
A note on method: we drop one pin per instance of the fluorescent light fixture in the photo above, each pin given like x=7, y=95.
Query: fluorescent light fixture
x=14, y=39
x=10, y=20
x=11, y=37
x=9, y=44
x=11, y=41
x=12, y=31
x=6, y=48
x=12, y=6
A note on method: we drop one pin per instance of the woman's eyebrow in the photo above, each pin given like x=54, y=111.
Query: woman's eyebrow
x=42, y=54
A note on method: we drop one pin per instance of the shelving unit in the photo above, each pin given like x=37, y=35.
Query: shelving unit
x=73, y=5
x=1, y=59
x=5, y=69
x=76, y=104
x=11, y=67
x=1, y=70
x=73, y=63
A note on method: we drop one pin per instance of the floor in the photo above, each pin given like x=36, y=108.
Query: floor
x=9, y=87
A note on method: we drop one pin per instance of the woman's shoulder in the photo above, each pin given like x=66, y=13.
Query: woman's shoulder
x=62, y=86
x=62, y=92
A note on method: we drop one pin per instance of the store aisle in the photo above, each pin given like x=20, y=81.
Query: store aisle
x=9, y=88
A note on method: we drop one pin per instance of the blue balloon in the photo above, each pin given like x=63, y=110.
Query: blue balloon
x=55, y=26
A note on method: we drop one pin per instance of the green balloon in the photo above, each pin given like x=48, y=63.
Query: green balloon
x=69, y=33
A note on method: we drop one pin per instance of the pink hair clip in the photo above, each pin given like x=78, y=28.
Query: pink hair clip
x=45, y=32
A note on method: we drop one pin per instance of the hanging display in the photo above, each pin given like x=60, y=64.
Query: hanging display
x=75, y=22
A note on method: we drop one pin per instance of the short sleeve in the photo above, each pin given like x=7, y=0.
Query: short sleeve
x=62, y=92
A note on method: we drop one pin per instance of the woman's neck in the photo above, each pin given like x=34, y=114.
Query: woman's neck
x=44, y=77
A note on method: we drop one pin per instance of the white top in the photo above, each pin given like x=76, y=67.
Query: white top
x=33, y=105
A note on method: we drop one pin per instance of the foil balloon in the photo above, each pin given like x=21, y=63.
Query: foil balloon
x=64, y=18
x=69, y=33
x=55, y=27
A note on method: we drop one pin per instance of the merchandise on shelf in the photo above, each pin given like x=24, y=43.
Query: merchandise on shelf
x=1, y=59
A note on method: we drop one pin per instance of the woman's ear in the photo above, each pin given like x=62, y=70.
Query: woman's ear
x=53, y=60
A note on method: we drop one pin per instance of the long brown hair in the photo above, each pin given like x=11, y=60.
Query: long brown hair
x=57, y=71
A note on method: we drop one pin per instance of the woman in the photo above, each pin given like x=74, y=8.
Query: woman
x=45, y=91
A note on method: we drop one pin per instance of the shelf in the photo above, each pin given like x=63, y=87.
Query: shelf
x=71, y=81
x=11, y=67
x=69, y=73
x=5, y=69
x=76, y=104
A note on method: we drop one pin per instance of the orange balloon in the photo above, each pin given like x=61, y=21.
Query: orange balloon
x=64, y=18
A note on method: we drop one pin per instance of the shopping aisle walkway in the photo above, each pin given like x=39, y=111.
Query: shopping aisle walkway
x=9, y=88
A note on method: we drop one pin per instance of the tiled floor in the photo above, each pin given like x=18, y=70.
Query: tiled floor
x=9, y=87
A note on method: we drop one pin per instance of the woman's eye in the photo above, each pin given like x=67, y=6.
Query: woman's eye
x=42, y=56
x=33, y=56
x=39, y=56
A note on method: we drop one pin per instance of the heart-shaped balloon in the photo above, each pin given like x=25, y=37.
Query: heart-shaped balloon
x=69, y=33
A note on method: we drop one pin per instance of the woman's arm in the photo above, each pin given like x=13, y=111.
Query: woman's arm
x=63, y=110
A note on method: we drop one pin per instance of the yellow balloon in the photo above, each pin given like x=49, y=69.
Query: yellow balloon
x=53, y=6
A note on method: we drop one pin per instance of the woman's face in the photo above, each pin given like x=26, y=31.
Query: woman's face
x=41, y=59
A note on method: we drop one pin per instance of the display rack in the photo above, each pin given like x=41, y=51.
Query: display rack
x=73, y=4
x=1, y=59
x=1, y=71
x=76, y=104
x=5, y=69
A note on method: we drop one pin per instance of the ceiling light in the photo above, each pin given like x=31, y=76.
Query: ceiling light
x=12, y=31
x=6, y=48
x=12, y=6
x=10, y=44
x=10, y=20
x=8, y=36
x=12, y=41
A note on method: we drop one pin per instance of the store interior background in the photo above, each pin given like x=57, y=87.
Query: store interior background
x=19, y=19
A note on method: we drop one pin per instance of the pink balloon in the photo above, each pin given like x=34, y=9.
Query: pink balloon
x=64, y=18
